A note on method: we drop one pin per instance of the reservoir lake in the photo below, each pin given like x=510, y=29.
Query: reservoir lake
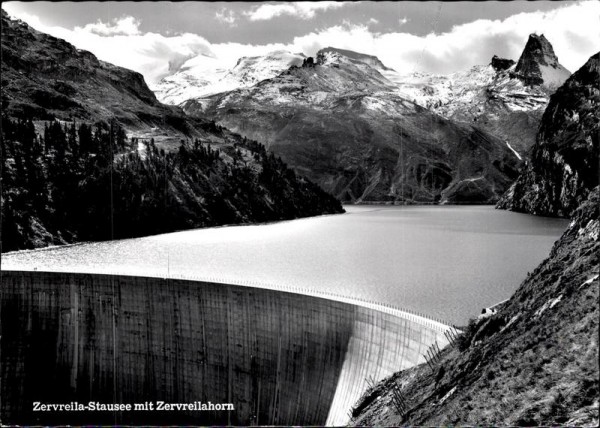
x=446, y=262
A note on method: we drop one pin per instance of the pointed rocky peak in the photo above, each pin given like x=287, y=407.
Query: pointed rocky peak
x=538, y=64
x=539, y=50
x=500, y=64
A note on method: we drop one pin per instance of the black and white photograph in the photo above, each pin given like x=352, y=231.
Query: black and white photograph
x=328, y=213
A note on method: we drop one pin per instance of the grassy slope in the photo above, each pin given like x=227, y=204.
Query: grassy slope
x=535, y=362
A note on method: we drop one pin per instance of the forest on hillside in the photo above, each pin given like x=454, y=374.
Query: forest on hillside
x=77, y=182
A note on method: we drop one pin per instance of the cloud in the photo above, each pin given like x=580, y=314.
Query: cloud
x=125, y=26
x=572, y=29
x=227, y=16
x=303, y=10
x=121, y=43
x=473, y=43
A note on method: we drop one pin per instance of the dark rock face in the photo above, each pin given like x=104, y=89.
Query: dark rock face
x=341, y=125
x=564, y=163
x=501, y=63
x=537, y=58
x=308, y=62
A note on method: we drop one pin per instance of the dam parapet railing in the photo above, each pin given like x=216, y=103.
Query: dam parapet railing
x=414, y=316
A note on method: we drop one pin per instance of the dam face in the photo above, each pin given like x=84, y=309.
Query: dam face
x=280, y=358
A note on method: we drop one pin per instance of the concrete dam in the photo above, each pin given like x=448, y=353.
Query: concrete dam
x=280, y=357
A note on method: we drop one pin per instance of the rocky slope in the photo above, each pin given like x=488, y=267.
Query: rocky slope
x=88, y=153
x=564, y=163
x=533, y=362
x=202, y=76
x=44, y=77
x=339, y=121
x=504, y=98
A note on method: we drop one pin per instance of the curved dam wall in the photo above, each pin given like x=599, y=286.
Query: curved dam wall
x=279, y=357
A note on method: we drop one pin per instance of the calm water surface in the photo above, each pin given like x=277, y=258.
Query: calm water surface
x=447, y=262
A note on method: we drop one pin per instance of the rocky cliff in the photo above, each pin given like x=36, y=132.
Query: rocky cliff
x=564, y=163
x=532, y=362
x=339, y=121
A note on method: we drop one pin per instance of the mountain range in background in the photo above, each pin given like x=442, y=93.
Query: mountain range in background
x=414, y=138
x=338, y=120
x=505, y=98
x=202, y=76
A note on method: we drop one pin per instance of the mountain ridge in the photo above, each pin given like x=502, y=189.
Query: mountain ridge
x=339, y=121
x=505, y=100
x=196, y=79
x=46, y=77
x=508, y=100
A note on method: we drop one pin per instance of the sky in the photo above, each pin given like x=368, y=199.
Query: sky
x=156, y=38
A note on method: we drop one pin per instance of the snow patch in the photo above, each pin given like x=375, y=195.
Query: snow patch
x=203, y=76
x=514, y=151
x=589, y=281
x=512, y=320
x=554, y=76
x=548, y=305
x=371, y=103
x=568, y=168
x=448, y=394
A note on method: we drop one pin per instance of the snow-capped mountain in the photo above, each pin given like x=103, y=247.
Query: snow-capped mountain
x=339, y=121
x=357, y=58
x=203, y=76
x=523, y=86
x=377, y=109
x=503, y=97
x=539, y=65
